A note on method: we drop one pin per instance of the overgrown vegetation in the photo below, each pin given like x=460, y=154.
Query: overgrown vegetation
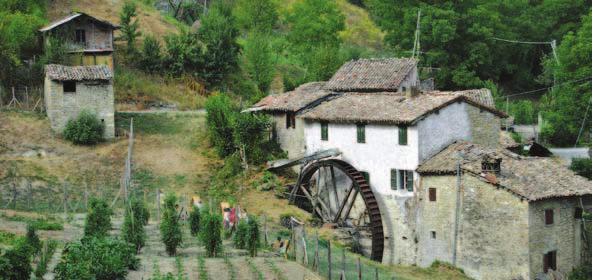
x=252, y=237
x=133, y=225
x=582, y=167
x=96, y=258
x=194, y=220
x=170, y=229
x=240, y=235
x=49, y=249
x=85, y=129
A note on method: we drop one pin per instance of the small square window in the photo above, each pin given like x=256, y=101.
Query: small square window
x=404, y=179
x=578, y=213
x=432, y=194
x=366, y=176
x=433, y=234
x=290, y=120
x=80, y=36
x=549, y=217
x=69, y=86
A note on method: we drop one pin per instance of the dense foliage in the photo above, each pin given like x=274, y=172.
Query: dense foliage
x=98, y=218
x=210, y=234
x=194, y=220
x=129, y=25
x=85, y=129
x=582, y=167
x=32, y=239
x=240, y=234
x=170, y=229
x=96, y=258
x=15, y=263
x=151, y=55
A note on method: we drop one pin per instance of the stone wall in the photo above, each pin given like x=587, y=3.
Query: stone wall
x=485, y=127
x=492, y=240
x=563, y=236
x=290, y=139
x=96, y=97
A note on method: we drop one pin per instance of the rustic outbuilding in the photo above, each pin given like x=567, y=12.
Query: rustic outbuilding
x=88, y=40
x=72, y=89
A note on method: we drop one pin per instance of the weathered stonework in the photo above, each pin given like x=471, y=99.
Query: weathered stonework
x=290, y=139
x=94, y=96
x=484, y=127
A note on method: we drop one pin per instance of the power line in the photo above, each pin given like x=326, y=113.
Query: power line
x=521, y=42
x=547, y=88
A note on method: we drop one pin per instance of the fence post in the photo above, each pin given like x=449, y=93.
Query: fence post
x=65, y=199
x=158, y=204
x=359, y=269
x=329, y=257
x=376, y=273
x=265, y=229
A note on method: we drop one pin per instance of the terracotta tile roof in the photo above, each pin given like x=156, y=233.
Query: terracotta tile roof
x=531, y=178
x=73, y=16
x=482, y=96
x=386, y=107
x=294, y=100
x=371, y=74
x=78, y=73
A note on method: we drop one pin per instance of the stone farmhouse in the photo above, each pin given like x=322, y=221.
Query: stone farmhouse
x=88, y=40
x=72, y=89
x=497, y=216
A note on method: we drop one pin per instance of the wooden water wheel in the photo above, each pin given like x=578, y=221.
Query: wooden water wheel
x=338, y=193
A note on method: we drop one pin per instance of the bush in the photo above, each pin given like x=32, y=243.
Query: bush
x=252, y=239
x=15, y=263
x=267, y=182
x=582, y=167
x=194, y=218
x=46, y=255
x=583, y=272
x=140, y=210
x=220, y=111
x=86, y=129
x=249, y=134
x=211, y=233
x=151, y=57
x=32, y=239
x=96, y=258
x=98, y=218
x=170, y=230
x=240, y=235
x=133, y=229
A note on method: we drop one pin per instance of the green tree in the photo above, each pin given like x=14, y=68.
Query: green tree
x=240, y=235
x=141, y=212
x=170, y=230
x=220, y=112
x=32, y=239
x=563, y=107
x=132, y=229
x=15, y=263
x=218, y=34
x=257, y=15
x=129, y=25
x=184, y=54
x=315, y=23
x=151, y=56
x=98, y=218
x=211, y=233
x=253, y=241
x=258, y=59
x=194, y=220
x=249, y=135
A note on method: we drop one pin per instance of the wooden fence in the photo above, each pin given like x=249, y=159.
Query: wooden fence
x=26, y=98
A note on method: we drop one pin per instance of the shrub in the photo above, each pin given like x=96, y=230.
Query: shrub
x=133, y=229
x=170, y=230
x=249, y=134
x=96, y=258
x=98, y=218
x=240, y=235
x=151, y=57
x=267, y=182
x=86, y=129
x=140, y=210
x=582, y=167
x=582, y=272
x=211, y=233
x=32, y=239
x=46, y=255
x=15, y=263
x=252, y=240
x=194, y=218
x=220, y=111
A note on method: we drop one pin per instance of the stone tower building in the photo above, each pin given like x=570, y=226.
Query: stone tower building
x=72, y=89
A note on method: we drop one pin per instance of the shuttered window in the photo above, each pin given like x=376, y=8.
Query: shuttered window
x=366, y=176
x=403, y=135
x=549, y=217
x=394, y=179
x=432, y=194
x=324, y=131
x=409, y=183
x=361, y=129
x=290, y=120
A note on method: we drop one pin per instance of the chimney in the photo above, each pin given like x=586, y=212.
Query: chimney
x=412, y=92
x=491, y=164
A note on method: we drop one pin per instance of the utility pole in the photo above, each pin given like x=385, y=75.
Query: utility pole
x=416, y=45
